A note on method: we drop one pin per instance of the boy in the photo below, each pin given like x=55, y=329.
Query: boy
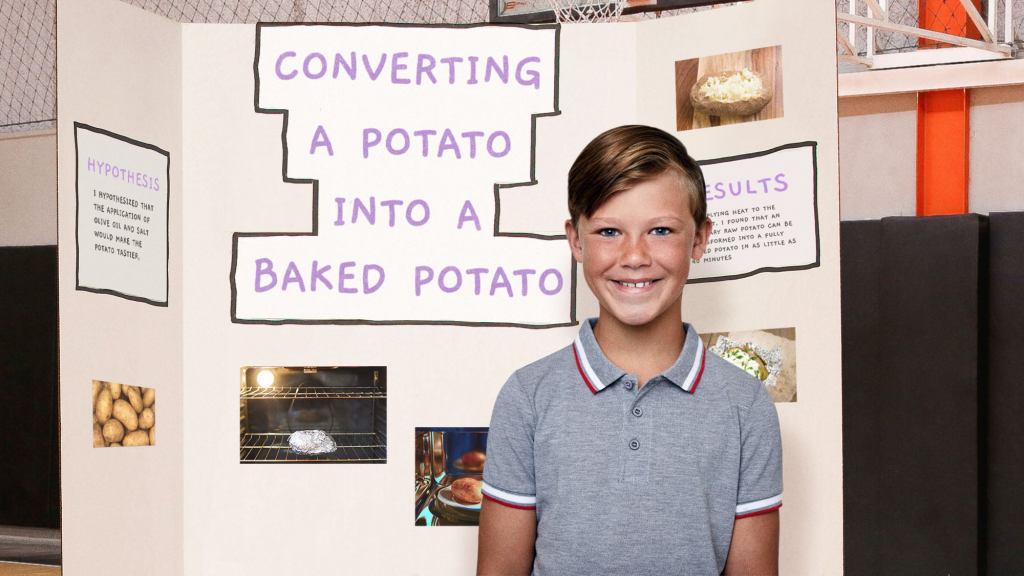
x=632, y=451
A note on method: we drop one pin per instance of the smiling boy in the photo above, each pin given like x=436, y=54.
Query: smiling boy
x=632, y=450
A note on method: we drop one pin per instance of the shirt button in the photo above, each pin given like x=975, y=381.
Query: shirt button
x=638, y=411
x=634, y=444
x=629, y=384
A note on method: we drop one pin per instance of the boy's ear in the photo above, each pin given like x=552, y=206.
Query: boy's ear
x=573, y=236
x=700, y=239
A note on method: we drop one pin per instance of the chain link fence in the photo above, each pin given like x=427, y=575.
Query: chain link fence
x=28, y=65
x=29, y=36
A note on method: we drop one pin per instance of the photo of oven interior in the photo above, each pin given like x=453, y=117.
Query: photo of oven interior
x=348, y=403
x=444, y=455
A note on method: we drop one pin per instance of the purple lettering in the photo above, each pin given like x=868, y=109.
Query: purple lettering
x=390, y=204
x=343, y=275
x=391, y=138
x=472, y=69
x=500, y=280
x=422, y=68
x=280, y=61
x=340, y=220
x=780, y=179
x=524, y=274
x=370, y=213
x=318, y=274
x=424, y=274
x=764, y=184
x=547, y=274
x=319, y=58
x=425, y=208
x=349, y=65
x=292, y=276
x=367, y=142
x=374, y=72
x=502, y=71
x=490, y=142
x=367, y=289
x=468, y=214
x=472, y=135
x=396, y=67
x=448, y=143
x=320, y=139
x=475, y=273
x=446, y=271
x=451, y=61
x=423, y=136
x=528, y=77
x=265, y=267
x=720, y=187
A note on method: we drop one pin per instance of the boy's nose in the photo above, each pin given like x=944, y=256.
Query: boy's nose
x=636, y=253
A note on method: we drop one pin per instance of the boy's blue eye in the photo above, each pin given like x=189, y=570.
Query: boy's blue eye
x=661, y=231
x=609, y=232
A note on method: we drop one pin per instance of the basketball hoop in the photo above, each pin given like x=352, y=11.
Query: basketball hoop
x=587, y=10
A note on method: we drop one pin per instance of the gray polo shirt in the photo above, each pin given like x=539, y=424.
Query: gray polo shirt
x=630, y=480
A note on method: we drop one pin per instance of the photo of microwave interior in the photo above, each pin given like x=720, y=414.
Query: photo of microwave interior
x=348, y=404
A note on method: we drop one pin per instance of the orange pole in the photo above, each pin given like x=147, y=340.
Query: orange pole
x=943, y=152
x=943, y=122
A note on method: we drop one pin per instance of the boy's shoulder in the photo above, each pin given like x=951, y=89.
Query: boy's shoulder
x=554, y=366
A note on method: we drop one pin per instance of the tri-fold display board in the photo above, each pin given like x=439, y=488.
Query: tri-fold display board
x=393, y=196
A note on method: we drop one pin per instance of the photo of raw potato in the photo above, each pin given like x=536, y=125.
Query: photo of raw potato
x=122, y=415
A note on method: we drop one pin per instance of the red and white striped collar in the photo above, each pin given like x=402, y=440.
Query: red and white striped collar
x=598, y=372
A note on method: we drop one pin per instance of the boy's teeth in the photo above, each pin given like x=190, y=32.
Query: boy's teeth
x=635, y=284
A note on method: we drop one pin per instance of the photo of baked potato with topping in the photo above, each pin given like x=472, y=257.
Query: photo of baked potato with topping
x=730, y=93
x=730, y=88
x=768, y=355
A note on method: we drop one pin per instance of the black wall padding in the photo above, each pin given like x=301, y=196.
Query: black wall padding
x=910, y=395
x=29, y=454
x=1005, y=502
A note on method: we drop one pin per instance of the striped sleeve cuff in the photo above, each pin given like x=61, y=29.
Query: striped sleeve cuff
x=749, y=509
x=510, y=499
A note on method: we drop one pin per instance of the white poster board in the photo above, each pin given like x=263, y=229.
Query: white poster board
x=284, y=174
x=122, y=189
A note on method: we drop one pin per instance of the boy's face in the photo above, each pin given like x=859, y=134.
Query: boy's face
x=636, y=249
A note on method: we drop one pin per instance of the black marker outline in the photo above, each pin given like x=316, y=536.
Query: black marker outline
x=817, y=231
x=167, y=224
x=316, y=187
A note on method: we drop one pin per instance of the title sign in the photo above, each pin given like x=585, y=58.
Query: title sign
x=407, y=135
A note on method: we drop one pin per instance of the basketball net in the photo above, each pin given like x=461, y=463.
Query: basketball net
x=587, y=10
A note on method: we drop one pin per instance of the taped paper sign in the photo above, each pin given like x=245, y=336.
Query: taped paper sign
x=765, y=212
x=121, y=228
x=406, y=133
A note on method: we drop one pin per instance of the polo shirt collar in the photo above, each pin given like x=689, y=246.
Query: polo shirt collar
x=598, y=372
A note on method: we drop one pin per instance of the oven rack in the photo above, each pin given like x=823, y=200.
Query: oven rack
x=273, y=447
x=307, y=392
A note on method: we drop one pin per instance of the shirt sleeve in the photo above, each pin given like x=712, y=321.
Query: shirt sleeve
x=760, y=486
x=508, y=471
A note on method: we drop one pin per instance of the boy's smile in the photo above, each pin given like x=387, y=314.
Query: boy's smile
x=636, y=249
